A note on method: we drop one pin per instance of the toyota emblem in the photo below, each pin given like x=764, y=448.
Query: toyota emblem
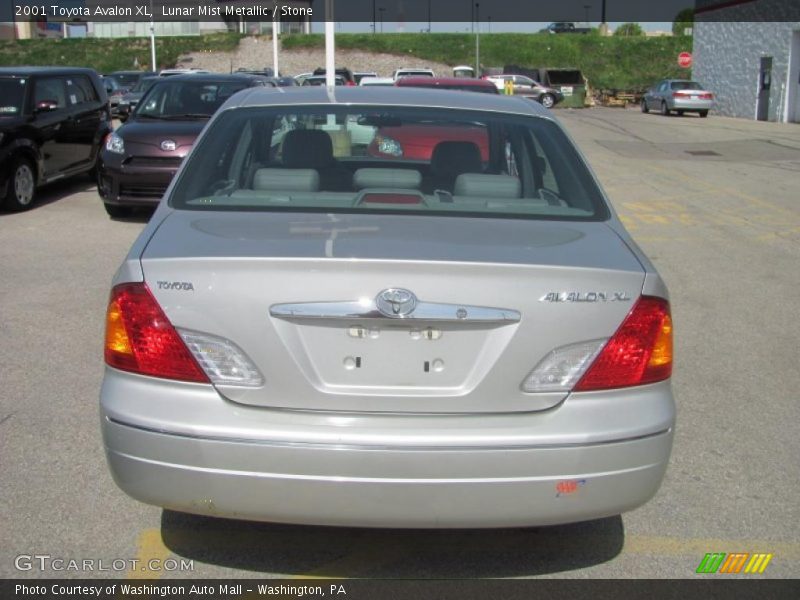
x=168, y=145
x=396, y=302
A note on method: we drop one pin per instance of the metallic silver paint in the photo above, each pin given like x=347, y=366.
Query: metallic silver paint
x=311, y=447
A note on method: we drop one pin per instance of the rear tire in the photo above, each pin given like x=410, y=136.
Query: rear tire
x=21, y=186
x=115, y=211
x=664, y=110
x=644, y=106
x=548, y=100
x=703, y=114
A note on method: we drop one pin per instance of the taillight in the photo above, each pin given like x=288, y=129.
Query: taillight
x=679, y=94
x=640, y=351
x=707, y=96
x=140, y=338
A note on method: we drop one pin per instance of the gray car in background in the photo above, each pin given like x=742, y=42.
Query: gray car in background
x=307, y=334
x=678, y=95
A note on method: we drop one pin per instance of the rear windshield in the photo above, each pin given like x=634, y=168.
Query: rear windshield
x=127, y=80
x=144, y=84
x=179, y=99
x=685, y=85
x=12, y=95
x=414, y=74
x=484, y=89
x=387, y=159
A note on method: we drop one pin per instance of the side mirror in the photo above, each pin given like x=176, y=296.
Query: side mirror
x=46, y=105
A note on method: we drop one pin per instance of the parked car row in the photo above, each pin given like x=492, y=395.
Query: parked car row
x=56, y=122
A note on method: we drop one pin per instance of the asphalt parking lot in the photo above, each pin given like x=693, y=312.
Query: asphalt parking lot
x=715, y=203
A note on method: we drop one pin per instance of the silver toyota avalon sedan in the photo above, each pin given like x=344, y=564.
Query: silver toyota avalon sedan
x=443, y=324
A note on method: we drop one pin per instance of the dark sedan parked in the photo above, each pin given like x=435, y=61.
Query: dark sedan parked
x=52, y=122
x=139, y=160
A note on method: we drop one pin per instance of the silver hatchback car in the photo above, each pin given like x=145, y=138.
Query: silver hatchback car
x=306, y=332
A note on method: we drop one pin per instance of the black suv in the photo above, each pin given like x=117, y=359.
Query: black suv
x=52, y=123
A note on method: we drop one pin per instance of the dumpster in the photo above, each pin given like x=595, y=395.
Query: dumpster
x=570, y=82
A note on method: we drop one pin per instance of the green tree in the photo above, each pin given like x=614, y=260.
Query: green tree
x=683, y=20
x=629, y=30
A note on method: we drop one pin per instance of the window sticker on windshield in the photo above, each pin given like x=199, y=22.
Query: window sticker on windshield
x=73, y=98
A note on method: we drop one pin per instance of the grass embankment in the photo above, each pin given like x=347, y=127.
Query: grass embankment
x=106, y=55
x=631, y=63
x=624, y=63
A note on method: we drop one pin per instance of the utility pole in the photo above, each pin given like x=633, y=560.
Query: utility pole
x=380, y=11
x=478, y=40
x=374, y=30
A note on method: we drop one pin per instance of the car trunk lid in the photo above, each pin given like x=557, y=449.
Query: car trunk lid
x=301, y=295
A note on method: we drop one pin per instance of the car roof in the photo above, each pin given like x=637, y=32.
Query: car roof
x=388, y=96
x=433, y=81
x=216, y=77
x=26, y=71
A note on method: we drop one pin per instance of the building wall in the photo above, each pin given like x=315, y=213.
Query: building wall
x=727, y=57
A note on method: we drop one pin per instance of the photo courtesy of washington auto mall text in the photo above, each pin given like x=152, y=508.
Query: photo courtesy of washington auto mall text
x=206, y=589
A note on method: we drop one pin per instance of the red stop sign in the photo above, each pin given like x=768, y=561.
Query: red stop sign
x=685, y=59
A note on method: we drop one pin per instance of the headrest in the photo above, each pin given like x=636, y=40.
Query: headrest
x=307, y=149
x=408, y=179
x=286, y=180
x=487, y=186
x=453, y=158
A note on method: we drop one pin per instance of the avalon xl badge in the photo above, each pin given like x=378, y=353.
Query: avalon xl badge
x=396, y=302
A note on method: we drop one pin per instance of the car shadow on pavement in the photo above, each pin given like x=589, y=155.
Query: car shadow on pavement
x=298, y=551
x=58, y=190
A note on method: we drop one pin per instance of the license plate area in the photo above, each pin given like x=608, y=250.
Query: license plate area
x=386, y=357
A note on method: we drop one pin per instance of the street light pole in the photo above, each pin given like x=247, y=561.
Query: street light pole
x=276, y=28
x=152, y=39
x=429, y=16
x=471, y=17
x=374, y=30
x=330, y=60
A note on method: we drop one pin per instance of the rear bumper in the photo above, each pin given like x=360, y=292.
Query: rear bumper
x=435, y=471
x=690, y=105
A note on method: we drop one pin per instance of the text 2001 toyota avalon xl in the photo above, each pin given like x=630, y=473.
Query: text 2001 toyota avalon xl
x=306, y=333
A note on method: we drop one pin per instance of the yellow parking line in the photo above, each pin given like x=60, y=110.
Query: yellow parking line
x=355, y=563
x=149, y=546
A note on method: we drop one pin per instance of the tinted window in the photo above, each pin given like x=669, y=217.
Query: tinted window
x=685, y=85
x=80, y=90
x=176, y=99
x=50, y=89
x=413, y=160
x=12, y=96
